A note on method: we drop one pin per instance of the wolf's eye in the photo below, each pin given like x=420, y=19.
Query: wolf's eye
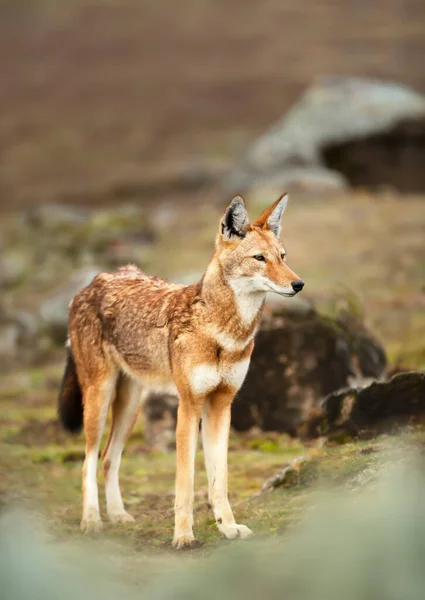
x=260, y=257
x=283, y=255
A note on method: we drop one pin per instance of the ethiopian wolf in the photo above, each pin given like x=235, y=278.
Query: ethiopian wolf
x=129, y=331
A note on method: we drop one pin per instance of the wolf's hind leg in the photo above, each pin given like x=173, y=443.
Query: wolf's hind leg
x=125, y=410
x=96, y=399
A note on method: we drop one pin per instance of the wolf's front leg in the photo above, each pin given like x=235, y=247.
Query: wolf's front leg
x=186, y=439
x=215, y=436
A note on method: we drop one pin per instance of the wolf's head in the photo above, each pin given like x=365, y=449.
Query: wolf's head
x=251, y=255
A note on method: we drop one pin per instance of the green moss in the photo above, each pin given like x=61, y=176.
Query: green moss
x=264, y=444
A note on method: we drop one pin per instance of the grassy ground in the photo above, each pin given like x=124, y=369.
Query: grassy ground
x=41, y=468
x=371, y=246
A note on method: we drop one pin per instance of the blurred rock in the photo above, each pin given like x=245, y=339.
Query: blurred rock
x=54, y=310
x=160, y=412
x=50, y=251
x=287, y=476
x=310, y=179
x=343, y=129
x=299, y=305
x=66, y=238
x=378, y=408
x=9, y=337
x=15, y=266
x=299, y=357
x=20, y=339
x=55, y=217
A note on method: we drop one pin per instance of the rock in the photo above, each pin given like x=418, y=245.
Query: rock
x=299, y=357
x=77, y=237
x=54, y=310
x=55, y=217
x=297, y=360
x=160, y=412
x=164, y=216
x=310, y=179
x=20, y=339
x=15, y=265
x=378, y=408
x=48, y=253
x=363, y=131
x=299, y=305
x=9, y=338
x=288, y=475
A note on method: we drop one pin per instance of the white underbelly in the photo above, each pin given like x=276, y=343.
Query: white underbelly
x=160, y=383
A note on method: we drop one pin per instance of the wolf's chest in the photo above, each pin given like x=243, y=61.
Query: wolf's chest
x=205, y=378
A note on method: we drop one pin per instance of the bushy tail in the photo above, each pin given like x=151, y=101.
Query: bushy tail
x=70, y=400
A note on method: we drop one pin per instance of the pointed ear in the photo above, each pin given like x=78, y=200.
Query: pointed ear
x=271, y=217
x=235, y=220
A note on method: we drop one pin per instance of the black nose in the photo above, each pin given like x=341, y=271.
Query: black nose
x=298, y=285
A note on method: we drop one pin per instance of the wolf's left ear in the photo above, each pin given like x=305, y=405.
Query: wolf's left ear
x=235, y=220
x=271, y=217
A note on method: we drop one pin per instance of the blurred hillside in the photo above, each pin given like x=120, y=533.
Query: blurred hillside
x=101, y=99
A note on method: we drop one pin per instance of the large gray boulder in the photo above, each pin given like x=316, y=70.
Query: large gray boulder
x=342, y=130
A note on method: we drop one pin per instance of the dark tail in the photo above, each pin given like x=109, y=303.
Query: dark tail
x=70, y=400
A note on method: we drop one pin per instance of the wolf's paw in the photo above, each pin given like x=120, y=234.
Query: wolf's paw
x=235, y=531
x=91, y=525
x=120, y=518
x=185, y=542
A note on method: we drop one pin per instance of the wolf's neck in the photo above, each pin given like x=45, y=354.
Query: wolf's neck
x=230, y=299
x=248, y=304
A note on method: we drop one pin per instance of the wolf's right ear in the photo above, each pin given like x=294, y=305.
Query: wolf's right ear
x=235, y=220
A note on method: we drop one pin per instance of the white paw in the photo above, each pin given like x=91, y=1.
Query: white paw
x=185, y=542
x=120, y=518
x=233, y=531
x=91, y=525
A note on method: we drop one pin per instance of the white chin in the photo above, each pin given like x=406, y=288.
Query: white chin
x=287, y=293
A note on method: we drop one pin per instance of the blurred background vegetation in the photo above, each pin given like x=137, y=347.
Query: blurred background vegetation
x=125, y=127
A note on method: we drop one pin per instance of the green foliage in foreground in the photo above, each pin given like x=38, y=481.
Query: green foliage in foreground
x=363, y=543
